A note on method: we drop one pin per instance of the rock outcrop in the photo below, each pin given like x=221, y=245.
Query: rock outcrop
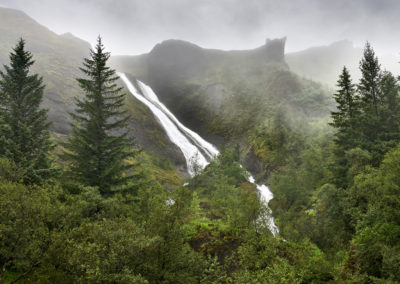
x=275, y=49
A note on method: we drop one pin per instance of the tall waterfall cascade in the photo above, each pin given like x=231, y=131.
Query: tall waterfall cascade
x=195, y=149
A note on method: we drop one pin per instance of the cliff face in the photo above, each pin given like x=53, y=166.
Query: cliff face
x=275, y=49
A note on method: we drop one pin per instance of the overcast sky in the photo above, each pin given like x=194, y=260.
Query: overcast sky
x=135, y=26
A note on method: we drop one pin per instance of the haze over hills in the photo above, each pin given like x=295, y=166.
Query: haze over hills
x=226, y=95
x=201, y=86
x=325, y=63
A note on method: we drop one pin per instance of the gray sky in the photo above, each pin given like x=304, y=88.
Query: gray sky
x=135, y=26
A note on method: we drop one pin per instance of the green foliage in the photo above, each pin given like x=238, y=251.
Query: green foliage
x=369, y=82
x=27, y=217
x=223, y=189
x=345, y=120
x=104, y=251
x=357, y=159
x=295, y=186
x=389, y=111
x=330, y=222
x=214, y=272
x=356, y=213
x=277, y=142
x=374, y=201
x=9, y=171
x=264, y=258
x=96, y=152
x=24, y=135
x=48, y=235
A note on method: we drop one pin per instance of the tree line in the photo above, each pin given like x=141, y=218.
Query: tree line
x=368, y=113
x=367, y=124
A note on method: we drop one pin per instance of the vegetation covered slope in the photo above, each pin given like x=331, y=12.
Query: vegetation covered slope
x=57, y=59
x=335, y=187
x=230, y=97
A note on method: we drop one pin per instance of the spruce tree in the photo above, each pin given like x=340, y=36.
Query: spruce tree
x=389, y=113
x=370, y=93
x=380, y=107
x=345, y=120
x=99, y=144
x=24, y=135
x=369, y=82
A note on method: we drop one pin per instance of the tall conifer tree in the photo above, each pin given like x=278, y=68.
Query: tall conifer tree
x=389, y=111
x=369, y=82
x=24, y=135
x=370, y=94
x=99, y=144
x=345, y=120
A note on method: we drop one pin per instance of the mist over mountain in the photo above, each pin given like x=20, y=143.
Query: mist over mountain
x=200, y=79
x=324, y=63
x=226, y=24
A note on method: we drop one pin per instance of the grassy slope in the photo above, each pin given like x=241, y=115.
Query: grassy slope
x=58, y=58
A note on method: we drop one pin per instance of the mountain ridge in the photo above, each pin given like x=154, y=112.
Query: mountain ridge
x=225, y=95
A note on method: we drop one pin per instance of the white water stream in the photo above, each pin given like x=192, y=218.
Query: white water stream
x=194, y=148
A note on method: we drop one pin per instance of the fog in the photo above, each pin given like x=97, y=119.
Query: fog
x=135, y=26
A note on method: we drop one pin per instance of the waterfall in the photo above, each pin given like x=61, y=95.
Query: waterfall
x=194, y=148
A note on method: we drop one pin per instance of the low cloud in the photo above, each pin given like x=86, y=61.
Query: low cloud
x=135, y=26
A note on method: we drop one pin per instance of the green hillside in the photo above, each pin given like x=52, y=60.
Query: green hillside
x=230, y=97
x=58, y=58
